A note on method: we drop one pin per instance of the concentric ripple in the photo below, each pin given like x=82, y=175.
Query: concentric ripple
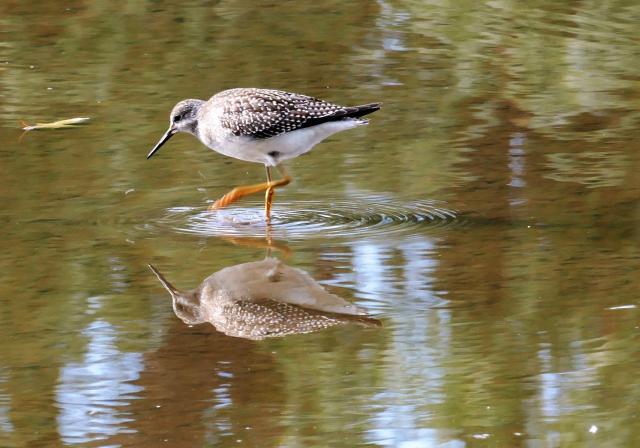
x=345, y=218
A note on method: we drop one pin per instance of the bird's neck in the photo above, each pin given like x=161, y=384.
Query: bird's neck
x=187, y=307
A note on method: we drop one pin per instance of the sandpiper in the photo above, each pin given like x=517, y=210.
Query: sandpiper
x=263, y=299
x=263, y=126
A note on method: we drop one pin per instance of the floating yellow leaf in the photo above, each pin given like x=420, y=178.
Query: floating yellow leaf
x=55, y=124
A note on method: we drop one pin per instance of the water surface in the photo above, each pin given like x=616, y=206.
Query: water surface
x=488, y=216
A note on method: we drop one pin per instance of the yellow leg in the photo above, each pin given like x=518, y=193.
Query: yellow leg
x=268, y=200
x=268, y=244
x=268, y=196
x=245, y=190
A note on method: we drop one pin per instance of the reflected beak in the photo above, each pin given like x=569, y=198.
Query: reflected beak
x=167, y=135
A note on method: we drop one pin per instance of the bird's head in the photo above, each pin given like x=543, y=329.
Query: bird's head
x=186, y=304
x=183, y=118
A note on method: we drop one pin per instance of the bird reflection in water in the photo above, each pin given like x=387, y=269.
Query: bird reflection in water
x=263, y=299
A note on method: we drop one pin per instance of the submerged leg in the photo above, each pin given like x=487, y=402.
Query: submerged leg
x=240, y=192
x=268, y=195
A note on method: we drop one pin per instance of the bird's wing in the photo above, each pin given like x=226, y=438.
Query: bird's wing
x=269, y=318
x=262, y=113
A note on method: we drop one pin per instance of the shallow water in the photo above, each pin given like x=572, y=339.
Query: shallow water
x=488, y=216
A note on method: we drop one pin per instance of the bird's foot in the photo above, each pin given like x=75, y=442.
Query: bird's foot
x=227, y=199
x=215, y=206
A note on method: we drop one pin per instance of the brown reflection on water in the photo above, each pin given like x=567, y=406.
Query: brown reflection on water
x=200, y=376
x=534, y=283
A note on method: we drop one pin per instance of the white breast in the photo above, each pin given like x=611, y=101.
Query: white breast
x=271, y=151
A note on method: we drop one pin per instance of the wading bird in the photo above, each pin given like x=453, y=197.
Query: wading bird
x=262, y=126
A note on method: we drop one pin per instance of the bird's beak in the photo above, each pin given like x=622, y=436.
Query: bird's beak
x=167, y=135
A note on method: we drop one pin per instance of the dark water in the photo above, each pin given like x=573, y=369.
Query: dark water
x=489, y=217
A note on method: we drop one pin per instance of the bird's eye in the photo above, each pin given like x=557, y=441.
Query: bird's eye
x=177, y=117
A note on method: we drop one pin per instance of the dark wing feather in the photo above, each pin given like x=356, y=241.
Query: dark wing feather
x=269, y=318
x=261, y=113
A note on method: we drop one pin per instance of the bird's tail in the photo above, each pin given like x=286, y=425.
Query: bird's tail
x=349, y=114
x=364, y=321
x=365, y=109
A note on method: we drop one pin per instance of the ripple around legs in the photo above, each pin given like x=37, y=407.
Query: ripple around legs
x=359, y=216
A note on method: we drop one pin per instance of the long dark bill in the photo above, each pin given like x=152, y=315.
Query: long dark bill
x=167, y=135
